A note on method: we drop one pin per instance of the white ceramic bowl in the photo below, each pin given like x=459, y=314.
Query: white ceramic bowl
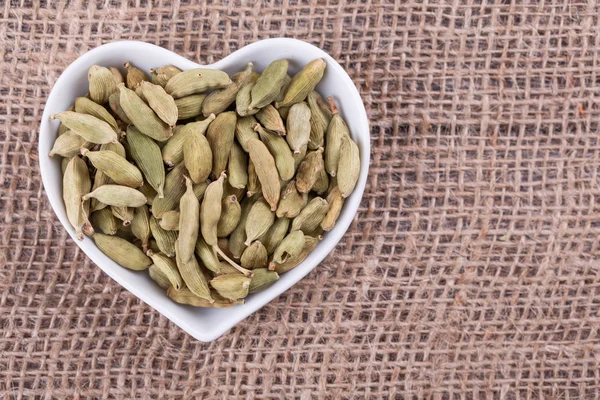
x=203, y=324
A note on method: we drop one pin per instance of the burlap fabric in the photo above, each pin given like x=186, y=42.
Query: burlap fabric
x=470, y=271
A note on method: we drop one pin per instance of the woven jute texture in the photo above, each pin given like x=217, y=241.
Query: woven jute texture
x=470, y=271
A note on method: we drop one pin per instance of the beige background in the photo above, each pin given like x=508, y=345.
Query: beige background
x=471, y=270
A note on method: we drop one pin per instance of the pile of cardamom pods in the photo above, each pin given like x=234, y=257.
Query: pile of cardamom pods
x=215, y=184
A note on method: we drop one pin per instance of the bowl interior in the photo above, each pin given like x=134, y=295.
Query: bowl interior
x=203, y=324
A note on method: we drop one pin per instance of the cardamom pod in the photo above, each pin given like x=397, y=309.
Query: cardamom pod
x=196, y=80
x=170, y=220
x=210, y=211
x=134, y=76
x=243, y=100
x=115, y=147
x=284, y=160
x=193, y=276
x=303, y=82
x=269, y=84
x=219, y=100
x=68, y=145
x=162, y=103
x=320, y=115
x=105, y=221
x=159, y=277
x=84, y=105
x=237, y=167
x=99, y=179
x=348, y=167
x=275, y=234
x=163, y=74
x=298, y=158
x=174, y=189
x=125, y=214
x=148, y=157
x=309, y=170
x=220, y=135
x=336, y=131
x=185, y=296
x=63, y=164
x=253, y=182
x=149, y=192
x=117, y=75
x=226, y=268
x=336, y=202
x=92, y=129
x=264, y=163
x=122, y=252
x=152, y=245
x=271, y=120
x=230, y=216
x=289, y=247
x=292, y=201
x=261, y=279
x=114, y=101
x=165, y=240
x=197, y=156
x=208, y=256
x=102, y=83
x=62, y=128
x=188, y=222
x=322, y=183
x=309, y=245
x=76, y=183
x=238, y=236
x=140, y=225
x=298, y=126
x=244, y=131
x=231, y=286
x=260, y=218
x=281, y=95
x=255, y=256
x=172, y=153
x=124, y=232
x=142, y=116
x=168, y=267
x=311, y=216
x=116, y=167
x=189, y=106
x=117, y=195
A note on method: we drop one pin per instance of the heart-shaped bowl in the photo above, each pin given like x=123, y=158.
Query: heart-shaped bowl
x=204, y=324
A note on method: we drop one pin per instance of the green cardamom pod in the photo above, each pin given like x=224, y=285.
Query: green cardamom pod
x=244, y=131
x=185, y=296
x=289, y=247
x=92, y=129
x=76, y=183
x=148, y=157
x=174, y=189
x=208, y=256
x=196, y=80
x=261, y=279
x=269, y=84
x=197, y=156
x=116, y=167
x=102, y=83
x=230, y=216
x=210, y=211
x=271, y=120
x=348, y=167
x=125, y=214
x=243, y=100
x=140, y=225
x=168, y=267
x=292, y=201
x=260, y=218
x=162, y=75
x=298, y=126
x=237, y=167
x=117, y=195
x=255, y=256
x=68, y=145
x=309, y=170
x=303, y=83
x=267, y=173
x=231, y=286
x=309, y=245
x=159, y=277
x=84, y=105
x=311, y=216
x=320, y=115
x=275, y=234
x=220, y=135
x=336, y=131
x=162, y=103
x=105, y=221
x=322, y=183
x=149, y=192
x=193, y=276
x=237, y=238
x=219, y=100
x=134, y=76
x=142, y=116
x=336, y=202
x=165, y=240
x=170, y=220
x=284, y=160
x=172, y=153
x=189, y=106
x=189, y=222
x=117, y=76
x=122, y=252
x=114, y=101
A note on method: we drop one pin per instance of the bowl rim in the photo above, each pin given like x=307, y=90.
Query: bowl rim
x=360, y=133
